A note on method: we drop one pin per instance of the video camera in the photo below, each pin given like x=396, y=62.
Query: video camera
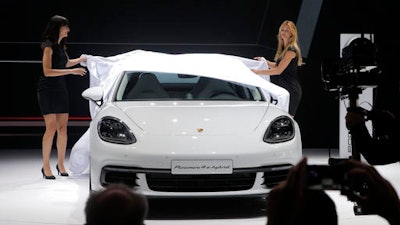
x=357, y=69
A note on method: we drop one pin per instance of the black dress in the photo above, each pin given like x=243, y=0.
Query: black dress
x=288, y=80
x=52, y=91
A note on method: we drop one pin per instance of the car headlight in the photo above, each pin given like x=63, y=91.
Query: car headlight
x=113, y=130
x=280, y=130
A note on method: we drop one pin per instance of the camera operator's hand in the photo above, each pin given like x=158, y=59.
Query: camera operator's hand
x=292, y=203
x=377, y=197
x=354, y=118
x=284, y=200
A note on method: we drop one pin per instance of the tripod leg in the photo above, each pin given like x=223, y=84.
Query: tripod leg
x=354, y=153
x=353, y=102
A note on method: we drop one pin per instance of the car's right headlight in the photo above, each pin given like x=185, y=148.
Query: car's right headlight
x=113, y=130
x=280, y=130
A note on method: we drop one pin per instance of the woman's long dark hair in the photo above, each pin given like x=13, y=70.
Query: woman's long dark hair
x=52, y=31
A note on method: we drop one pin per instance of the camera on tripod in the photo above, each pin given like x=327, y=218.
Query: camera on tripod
x=356, y=70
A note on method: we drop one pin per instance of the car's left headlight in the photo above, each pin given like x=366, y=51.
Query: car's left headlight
x=113, y=130
x=281, y=129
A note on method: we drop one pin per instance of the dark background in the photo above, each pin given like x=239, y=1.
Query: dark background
x=245, y=28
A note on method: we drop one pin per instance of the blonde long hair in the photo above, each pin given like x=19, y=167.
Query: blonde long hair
x=293, y=43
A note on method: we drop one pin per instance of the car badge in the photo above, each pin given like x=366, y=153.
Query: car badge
x=199, y=130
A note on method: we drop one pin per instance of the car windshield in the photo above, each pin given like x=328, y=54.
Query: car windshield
x=136, y=86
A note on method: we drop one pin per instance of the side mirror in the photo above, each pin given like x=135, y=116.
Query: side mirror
x=94, y=94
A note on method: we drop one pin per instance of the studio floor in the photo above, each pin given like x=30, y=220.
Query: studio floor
x=27, y=198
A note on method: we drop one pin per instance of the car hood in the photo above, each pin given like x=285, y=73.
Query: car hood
x=195, y=119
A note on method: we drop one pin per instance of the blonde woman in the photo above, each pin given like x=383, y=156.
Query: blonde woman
x=283, y=70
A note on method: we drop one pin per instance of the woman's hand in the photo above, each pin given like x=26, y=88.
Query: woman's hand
x=259, y=58
x=79, y=71
x=82, y=58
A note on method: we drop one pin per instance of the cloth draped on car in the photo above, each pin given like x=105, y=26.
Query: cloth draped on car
x=103, y=71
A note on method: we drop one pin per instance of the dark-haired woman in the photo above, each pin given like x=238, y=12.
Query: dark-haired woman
x=52, y=91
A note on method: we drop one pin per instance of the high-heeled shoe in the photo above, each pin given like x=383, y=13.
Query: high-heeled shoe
x=51, y=177
x=64, y=174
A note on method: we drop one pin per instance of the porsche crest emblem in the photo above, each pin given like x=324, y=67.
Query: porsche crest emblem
x=200, y=130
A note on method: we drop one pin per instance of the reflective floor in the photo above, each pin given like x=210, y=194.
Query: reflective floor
x=27, y=198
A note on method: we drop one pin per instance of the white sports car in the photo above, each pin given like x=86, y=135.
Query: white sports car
x=187, y=125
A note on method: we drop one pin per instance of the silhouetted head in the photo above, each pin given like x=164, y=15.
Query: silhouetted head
x=116, y=205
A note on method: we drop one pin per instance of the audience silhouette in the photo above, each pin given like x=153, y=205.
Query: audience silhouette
x=292, y=202
x=116, y=205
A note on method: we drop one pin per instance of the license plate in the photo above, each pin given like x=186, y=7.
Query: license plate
x=202, y=167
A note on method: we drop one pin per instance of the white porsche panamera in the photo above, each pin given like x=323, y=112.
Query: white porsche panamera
x=187, y=125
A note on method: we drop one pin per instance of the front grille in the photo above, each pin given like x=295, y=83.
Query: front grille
x=200, y=183
x=163, y=181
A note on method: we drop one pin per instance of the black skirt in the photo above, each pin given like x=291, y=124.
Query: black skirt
x=53, y=101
